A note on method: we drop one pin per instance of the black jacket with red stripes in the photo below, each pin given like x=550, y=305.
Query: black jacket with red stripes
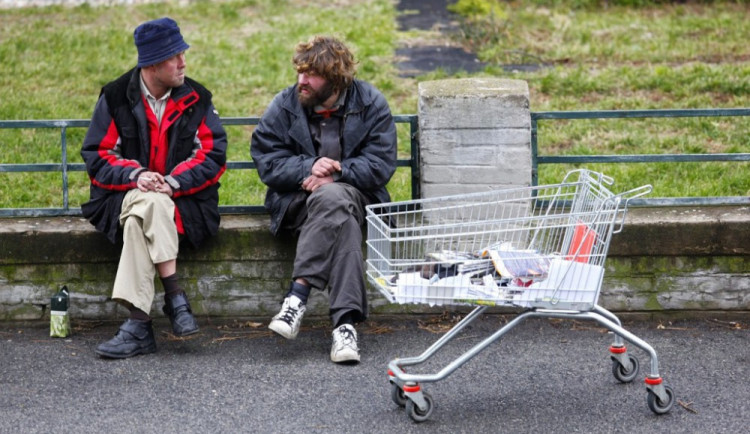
x=118, y=146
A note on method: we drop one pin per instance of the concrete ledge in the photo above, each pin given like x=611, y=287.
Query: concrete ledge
x=665, y=259
x=679, y=231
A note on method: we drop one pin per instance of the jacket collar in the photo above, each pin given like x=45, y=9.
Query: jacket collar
x=356, y=101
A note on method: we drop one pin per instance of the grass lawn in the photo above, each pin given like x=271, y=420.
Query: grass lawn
x=55, y=59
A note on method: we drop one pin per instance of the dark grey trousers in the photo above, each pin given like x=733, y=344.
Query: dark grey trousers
x=329, y=247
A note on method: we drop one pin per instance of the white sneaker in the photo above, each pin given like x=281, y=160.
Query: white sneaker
x=344, y=344
x=287, y=321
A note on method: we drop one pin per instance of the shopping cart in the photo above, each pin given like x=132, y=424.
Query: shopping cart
x=540, y=248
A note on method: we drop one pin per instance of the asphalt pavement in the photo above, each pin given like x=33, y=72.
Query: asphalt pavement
x=545, y=376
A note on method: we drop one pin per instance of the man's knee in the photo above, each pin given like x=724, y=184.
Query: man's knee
x=139, y=202
x=156, y=205
x=132, y=223
x=329, y=196
x=159, y=200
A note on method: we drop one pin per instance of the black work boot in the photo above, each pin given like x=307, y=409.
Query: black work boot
x=134, y=337
x=180, y=315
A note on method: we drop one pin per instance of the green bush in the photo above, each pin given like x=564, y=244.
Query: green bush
x=478, y=10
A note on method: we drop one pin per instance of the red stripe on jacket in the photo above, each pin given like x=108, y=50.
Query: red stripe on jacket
x=205, y=136
x=106, y=147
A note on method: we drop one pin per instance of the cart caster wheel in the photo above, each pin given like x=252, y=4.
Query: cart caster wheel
x=657, y=405
x=415, y=413
x=398, y=396
x=621, y=374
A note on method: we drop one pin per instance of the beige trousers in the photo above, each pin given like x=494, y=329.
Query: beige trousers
x=149, y=238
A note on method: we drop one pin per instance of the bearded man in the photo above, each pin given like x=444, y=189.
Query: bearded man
x=326, y=148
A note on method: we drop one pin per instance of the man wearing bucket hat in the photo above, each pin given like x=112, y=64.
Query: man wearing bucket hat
x=154, y=152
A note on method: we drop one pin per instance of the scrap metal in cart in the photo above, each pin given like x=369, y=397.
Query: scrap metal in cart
x=540, y=248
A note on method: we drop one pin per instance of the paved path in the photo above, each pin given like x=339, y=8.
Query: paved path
x=545, y=376
x=433, y=43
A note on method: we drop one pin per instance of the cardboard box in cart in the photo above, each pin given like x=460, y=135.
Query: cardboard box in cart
x=568, y=285
x=413, y=288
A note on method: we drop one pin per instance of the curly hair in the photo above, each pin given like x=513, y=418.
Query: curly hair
x=326, y=57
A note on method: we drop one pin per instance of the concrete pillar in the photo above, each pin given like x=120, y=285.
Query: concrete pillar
x=474, y=135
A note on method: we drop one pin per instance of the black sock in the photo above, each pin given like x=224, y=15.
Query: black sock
x=299, y=290
x=171, y=286
x=349, y=317
x=138, y=314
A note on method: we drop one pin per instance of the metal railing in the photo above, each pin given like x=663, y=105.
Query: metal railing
x=65, y=167
x=413, y=162
x=641, y=158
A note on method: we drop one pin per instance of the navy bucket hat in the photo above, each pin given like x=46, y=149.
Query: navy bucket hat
x=157, y=41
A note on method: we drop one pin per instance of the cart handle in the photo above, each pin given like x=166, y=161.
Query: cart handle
x=627, y=196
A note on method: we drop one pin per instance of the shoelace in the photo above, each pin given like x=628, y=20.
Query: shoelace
x=347, y=336
x=289, y=314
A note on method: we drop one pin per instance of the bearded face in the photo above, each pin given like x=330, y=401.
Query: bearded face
x=313, y=90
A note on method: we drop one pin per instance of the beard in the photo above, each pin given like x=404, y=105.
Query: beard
x=315, y=97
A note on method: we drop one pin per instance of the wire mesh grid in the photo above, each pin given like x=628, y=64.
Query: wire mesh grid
x=542, y=246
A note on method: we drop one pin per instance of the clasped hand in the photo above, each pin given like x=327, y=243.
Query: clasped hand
x=321, y=173
x=153, y=181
